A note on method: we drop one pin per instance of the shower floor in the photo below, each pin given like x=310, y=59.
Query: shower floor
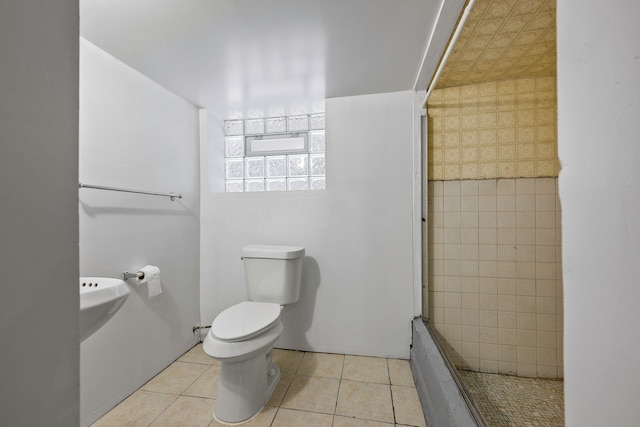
x=506, y=400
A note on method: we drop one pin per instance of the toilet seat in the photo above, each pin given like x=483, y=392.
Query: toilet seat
x=245, y=320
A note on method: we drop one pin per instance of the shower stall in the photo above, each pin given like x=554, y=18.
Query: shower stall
x=493, y=281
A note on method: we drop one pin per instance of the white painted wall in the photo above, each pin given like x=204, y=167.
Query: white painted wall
x=599, y=147
x=38, y=213
x=357, y=291
x=136, y=134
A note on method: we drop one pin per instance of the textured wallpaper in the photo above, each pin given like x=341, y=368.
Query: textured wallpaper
x=504, y=129
x=501, y=40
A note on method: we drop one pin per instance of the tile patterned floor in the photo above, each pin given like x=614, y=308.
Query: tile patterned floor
x=515, y=401
x=315, y=389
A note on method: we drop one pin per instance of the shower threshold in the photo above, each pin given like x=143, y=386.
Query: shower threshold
x=452, y=397
x=445, y=399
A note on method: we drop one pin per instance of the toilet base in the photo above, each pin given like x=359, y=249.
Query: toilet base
x=244, y=388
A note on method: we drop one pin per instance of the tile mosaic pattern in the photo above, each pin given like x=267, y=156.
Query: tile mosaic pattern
x=495, y=274
x=507, y=401
x=503, y=129
x=501, y=40
x=315, y=389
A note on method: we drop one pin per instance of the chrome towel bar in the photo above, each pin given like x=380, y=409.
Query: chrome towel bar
x=172, y=196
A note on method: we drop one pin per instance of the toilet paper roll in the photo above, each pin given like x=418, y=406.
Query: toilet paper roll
x=152, y=279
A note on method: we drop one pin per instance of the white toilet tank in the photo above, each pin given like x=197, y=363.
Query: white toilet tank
x=273, y=273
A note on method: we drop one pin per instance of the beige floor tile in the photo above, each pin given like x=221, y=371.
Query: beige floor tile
x=321, y=365
x=407, y=406
x=186, y=412
x=313, y=394
x=367, y=401
x=281, y=388
x=139, y=409
x=263, y=419
x=400, y=372
x=367, y=369
x=206, y=385
x=175, y=378
x=340, y=421
x=293, y=418
x=363, y=398
x=287, y=360
x=197, y=355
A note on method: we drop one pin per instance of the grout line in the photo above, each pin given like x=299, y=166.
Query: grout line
x=393, y=406
x=163, y=411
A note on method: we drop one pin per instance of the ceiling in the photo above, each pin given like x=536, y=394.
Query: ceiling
x=244, y=58
x=503, y=39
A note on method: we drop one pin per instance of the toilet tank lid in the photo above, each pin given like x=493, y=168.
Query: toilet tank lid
x=272, y=251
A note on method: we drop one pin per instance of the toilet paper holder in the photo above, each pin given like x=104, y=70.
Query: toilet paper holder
x=137, y=275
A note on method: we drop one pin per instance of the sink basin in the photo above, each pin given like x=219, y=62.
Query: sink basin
x=100, y=299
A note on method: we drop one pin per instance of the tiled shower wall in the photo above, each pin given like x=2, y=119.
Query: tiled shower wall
x=494, y=273
x=495, y=286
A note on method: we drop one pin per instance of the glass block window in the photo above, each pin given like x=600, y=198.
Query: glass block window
x=275, y=154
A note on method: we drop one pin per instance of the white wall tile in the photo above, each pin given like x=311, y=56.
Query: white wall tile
x=507, y=336
x=546, y=253
x=469, y=284
x=487, y=187
x=506, y=286
x=507, y=252
x=527, y=338
x=526, y=186
x=525, y=219
x=507, y=236
x=506, y=303
x=436, y=188
x=488, y=236
x=451, y=236
x=453, y=219
x=507, y=219
x=469, y=188
x=488, y=335
x=504, y=259
x=451, y=188
x=545, y=202
x=451, y=204
x=525, y=203
x=487, y=203
x=454, y=283
x=506, y=203
x=488, y=219
x=469, y=203
x=546, y=186
x=527, y=321
x=546, y=219
x=526, y=287
x=526, y=236
x=470, y=268
x=507, y=353
x=506, y=186
x=489, y=318
x=470, y=219
x=469, y=236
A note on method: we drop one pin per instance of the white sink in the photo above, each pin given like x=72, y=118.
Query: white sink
x=100, y=299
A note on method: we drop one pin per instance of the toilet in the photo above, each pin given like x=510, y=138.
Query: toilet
x=242, y=336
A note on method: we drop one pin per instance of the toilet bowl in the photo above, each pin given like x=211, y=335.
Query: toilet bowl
x=247, y=375
x=242, y=336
